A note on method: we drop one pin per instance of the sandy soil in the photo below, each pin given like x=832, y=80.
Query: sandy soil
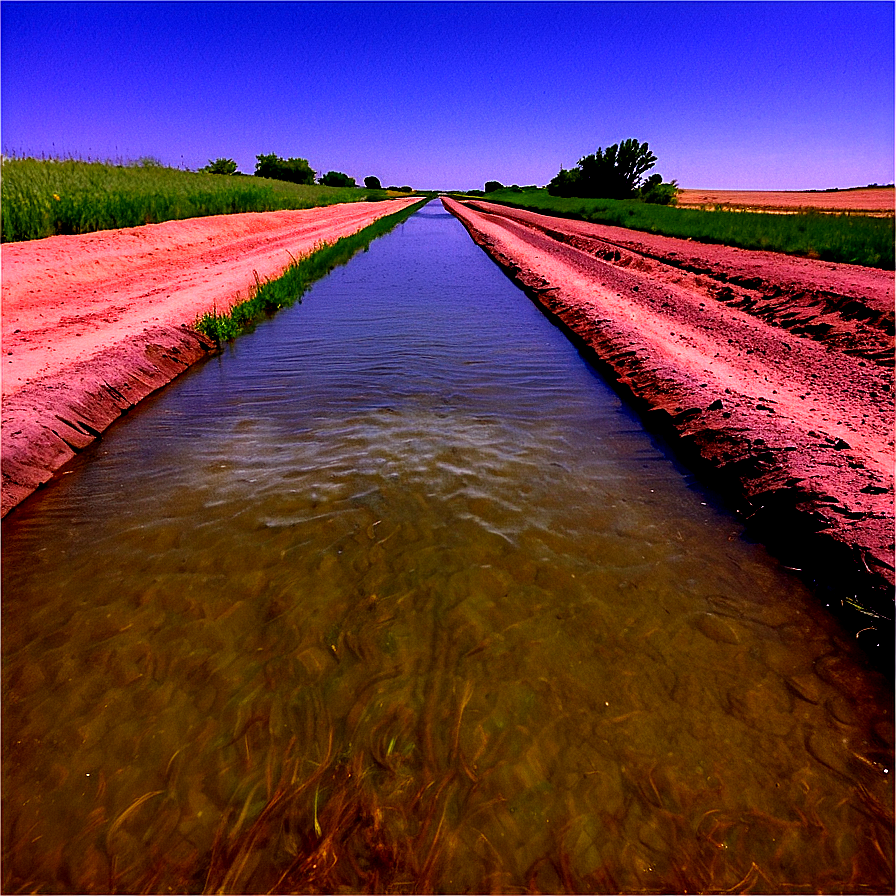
x=92, y=324
x=773, y=373
x=871, y=200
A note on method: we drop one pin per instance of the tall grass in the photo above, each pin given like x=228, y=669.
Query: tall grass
x=270, y=296
x=47, y=197
x=850, y=237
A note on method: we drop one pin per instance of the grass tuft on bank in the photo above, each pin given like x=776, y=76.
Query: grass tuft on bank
x=269, y=296
x=850, y=237
x=51, y=197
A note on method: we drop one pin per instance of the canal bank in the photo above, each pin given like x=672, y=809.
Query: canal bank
x=788, y=409
x=92, y=324
x=395, y=594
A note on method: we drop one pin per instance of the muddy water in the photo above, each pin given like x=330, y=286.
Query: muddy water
x=396, y=596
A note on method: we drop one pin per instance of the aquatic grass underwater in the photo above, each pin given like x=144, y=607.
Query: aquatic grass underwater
x=288, y=288
x=849, y=238
x=50, y=197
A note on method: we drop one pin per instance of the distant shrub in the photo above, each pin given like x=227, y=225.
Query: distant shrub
x=149, y=162
x=372, y=183
x=337, y=179
x=656, y=192
x=220, y=166
x=565, y=183
x=295, y=171
x=492, y=185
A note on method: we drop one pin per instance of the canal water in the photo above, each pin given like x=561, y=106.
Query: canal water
x=395, y=595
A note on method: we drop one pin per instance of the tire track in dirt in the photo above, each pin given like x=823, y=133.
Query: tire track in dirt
x=795, y=423
x=847, y=306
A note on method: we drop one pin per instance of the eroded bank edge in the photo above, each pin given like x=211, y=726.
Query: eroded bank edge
x=48, y=422
x=788, y=520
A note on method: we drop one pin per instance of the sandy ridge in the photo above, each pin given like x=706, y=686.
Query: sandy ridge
x=797, y=422
x=92, y=324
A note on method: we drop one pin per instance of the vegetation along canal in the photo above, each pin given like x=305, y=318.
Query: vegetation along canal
x=395, y=595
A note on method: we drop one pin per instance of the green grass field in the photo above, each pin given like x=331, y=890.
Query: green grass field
x=851, y=238
x=47, y=197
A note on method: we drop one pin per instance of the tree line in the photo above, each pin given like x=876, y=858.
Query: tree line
x=296, y=171
x=616, y=172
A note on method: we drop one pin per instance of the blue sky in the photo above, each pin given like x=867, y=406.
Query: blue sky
x=448, y=95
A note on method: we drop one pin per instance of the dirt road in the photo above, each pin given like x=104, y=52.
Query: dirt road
x=774, y=373
x=92, y=324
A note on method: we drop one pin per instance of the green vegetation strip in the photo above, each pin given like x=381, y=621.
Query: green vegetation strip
x=271, y=295
x=49, y=197
x=849, y=237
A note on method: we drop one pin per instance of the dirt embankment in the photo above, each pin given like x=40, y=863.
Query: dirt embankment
x=92, y=324
x=774, y=373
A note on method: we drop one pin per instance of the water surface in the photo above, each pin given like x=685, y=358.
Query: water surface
x=395, y=595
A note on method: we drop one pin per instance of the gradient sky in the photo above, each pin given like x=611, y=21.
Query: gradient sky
x=448, y=95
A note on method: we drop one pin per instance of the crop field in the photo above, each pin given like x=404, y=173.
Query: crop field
x=850, y=237
x=48, y=197
x=879, y=201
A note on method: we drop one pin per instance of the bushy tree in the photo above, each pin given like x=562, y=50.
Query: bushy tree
x=296, y=171
x=565, y=183
x=372, y=183
x=337, y=179
x=655, y=191
x=220, y=166
x=612, y=173
x=492, y=185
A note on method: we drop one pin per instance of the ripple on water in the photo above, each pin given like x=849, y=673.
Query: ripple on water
x=394, y=595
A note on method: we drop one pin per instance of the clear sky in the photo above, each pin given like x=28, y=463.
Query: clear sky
x=768, y=95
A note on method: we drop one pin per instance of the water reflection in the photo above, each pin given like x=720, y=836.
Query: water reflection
x=395, y=596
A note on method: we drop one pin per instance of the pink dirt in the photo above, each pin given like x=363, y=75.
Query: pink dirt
x=91, y=324
x=774, y=372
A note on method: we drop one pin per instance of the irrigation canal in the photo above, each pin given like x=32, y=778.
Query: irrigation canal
x=395, y=595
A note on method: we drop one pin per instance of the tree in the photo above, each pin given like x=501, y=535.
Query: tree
x=337, y=179
x=654, y=191
x=372, y=183
x=492, y=185
x=296, y=171
x=220, y=166
x=612, y=173
x=565, y=183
